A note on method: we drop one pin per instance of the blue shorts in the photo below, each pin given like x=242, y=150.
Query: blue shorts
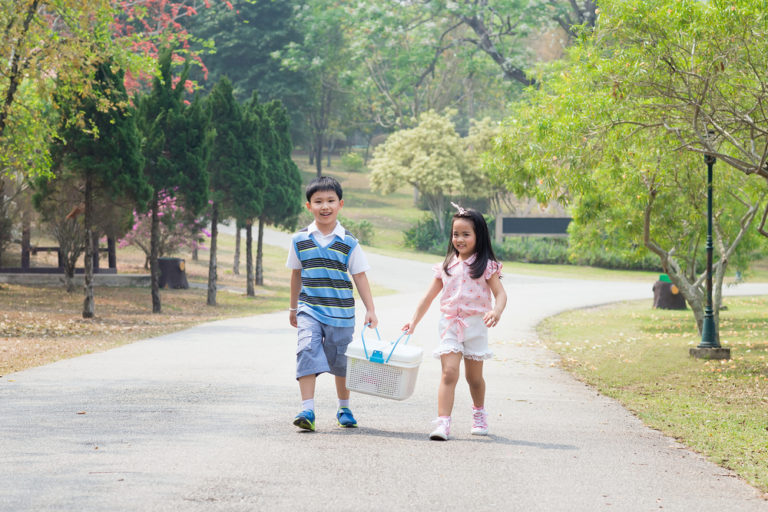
x=321, y=347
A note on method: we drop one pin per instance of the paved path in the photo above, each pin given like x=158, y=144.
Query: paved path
x=200, y=421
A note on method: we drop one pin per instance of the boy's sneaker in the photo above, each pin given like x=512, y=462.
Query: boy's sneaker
x=305, y=420
x=442, y=429
x=345, y=418
x=479, y=422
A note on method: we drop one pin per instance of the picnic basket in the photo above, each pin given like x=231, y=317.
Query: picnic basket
x=384, y=369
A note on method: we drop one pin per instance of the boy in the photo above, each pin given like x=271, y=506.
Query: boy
x=323, y=256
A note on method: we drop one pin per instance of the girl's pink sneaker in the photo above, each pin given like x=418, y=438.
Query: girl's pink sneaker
x=479, y=422
x=442, y=428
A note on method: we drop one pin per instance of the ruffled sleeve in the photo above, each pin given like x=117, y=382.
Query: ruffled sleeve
x=437, y=270
x=491, y=268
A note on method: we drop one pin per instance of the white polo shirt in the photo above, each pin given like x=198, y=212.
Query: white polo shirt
x=357, y=261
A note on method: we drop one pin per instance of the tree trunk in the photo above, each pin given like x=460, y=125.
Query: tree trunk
x=249, y=258
x=194, y=254
x=88, y=306
x=236, y=263
x=212, y=260
x=319, y=154
x=154, y=267
x=259, y=254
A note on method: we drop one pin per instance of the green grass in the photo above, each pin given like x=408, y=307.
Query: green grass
x=639, y=356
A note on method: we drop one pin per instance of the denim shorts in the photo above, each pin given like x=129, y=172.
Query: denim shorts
x=321, y=347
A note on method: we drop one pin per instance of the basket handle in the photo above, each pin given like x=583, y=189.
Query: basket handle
x=362, y=337
x=396, y=342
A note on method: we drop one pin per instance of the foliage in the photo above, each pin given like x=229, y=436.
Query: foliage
x=362, y=229
x=426, y=236
x=630, y=191
x=42, y=39
x=178, y=230
x=176, y=150
x=687, y=68
x=352, y=162
x=533, y=250
x=322, y=55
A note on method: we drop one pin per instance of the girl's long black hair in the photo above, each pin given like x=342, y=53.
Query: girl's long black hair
x=483, y=248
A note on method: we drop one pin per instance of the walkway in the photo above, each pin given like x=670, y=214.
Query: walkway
x=200, y=421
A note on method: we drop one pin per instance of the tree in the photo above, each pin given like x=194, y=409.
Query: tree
x=176, y=150
x=283, y=192
x=323, y=55
x=102, y=149
x=75, y=33
x=690, y=68
x=234, y=186
x=430, y=157
x=629, y=191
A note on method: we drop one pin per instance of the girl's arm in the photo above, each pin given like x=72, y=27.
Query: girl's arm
x=295, y=290
x=421, y=309
x=492, y=317
x=364, y=289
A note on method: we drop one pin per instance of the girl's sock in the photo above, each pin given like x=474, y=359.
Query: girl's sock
x=308, y=405
x=343, y=403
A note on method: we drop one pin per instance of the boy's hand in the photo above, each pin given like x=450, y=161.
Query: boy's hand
x=292, y=318
x=491, y=318
x=370, y=319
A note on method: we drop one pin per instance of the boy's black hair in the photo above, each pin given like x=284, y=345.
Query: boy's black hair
x=483, y=247
x=323, y=183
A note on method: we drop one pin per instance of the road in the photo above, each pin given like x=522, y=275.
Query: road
x=200, y=420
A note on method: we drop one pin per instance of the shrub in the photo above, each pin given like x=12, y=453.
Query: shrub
x=529, y=249
x=362, y=230
x=426, y=236
x=352, y=162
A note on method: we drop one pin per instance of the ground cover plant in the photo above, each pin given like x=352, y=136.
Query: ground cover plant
x=639, y=356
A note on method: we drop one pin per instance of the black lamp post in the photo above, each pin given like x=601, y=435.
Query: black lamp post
x=709, y=348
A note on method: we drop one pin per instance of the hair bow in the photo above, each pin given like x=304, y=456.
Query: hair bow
x=461, y=210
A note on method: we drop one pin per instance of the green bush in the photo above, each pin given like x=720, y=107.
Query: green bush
x=362, y=230
x=352, y=162
x=529, y=249
x=426, y=236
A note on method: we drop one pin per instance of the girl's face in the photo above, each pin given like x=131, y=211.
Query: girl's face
x=463, y=238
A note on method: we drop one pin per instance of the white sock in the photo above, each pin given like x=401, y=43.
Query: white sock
x=308, y=405
x=343, y=403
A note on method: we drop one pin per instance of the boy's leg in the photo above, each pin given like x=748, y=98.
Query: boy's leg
x=310, y=361
x=341, y=387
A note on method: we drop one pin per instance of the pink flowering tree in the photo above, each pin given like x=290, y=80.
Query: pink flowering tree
x=178, y=231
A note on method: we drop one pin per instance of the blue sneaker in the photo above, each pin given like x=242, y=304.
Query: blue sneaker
x=345, y=418
x=305, y=420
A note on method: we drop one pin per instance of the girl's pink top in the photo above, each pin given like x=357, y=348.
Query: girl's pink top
x=463, y=296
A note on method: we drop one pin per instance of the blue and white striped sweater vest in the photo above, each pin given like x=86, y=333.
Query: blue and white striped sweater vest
x=326, y=288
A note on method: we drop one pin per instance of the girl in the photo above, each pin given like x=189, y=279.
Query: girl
x=467, y=277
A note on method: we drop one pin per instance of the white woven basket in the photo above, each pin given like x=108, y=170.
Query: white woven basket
x=388, y=370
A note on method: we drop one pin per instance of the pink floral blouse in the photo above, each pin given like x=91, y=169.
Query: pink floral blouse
x=463, y=296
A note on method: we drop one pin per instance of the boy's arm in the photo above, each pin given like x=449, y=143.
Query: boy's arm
x=364, y=289
x=426, y=301
x=491, y=318
x=295, y=289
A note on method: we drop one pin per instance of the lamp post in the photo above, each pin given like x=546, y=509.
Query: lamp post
x=709, y=348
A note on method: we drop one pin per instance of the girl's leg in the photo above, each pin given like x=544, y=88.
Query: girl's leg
x=474, y=370
x=445, y=392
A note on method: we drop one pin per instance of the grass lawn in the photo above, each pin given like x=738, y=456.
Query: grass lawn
x=640, y=357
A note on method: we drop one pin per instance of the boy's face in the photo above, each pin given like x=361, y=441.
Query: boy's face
x=324, y=206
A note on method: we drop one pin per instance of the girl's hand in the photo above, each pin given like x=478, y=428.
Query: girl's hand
x=491, y=318
x=408, y=329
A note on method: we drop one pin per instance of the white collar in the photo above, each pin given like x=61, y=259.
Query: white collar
x=337, y=231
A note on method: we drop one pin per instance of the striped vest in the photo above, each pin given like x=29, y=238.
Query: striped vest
x=326, y=288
